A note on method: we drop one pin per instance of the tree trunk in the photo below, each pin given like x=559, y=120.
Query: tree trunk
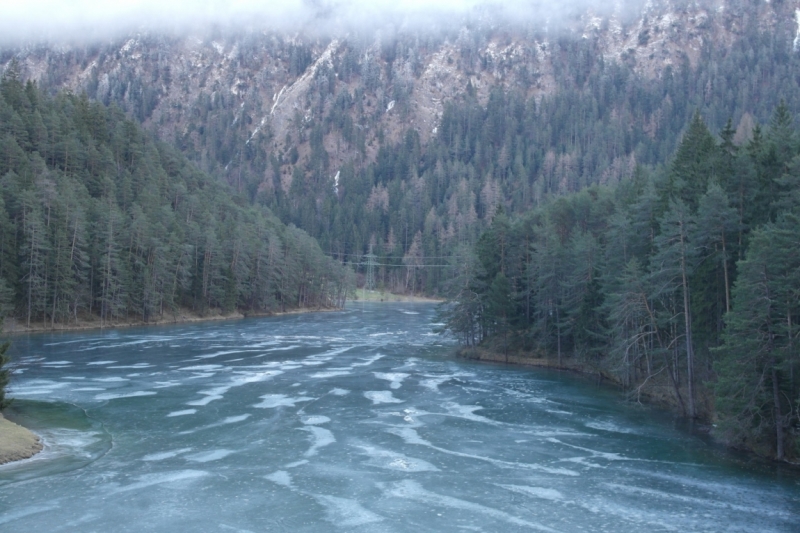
x=687, y=315
x=776, y=398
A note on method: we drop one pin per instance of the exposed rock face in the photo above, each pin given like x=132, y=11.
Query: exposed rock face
x=245, y=103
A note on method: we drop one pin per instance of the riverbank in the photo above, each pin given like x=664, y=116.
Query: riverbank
x=381, y=296
x=657, y=390
x=12, y=326
x=16, y=442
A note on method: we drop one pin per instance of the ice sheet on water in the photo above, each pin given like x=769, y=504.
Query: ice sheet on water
x=315, y=420
x=536, y=492
x=379, y=397
x=368, y=361
x=608, y=426
x=332, y=373
x=135, y=394
x=344, y=512
x=321, y=437
x=272, y=401
x=284, y=348
x=394, y=378
x=111, y=379
x=390, y=460
x=56, y=363
x=207, y=457
x=411, y=490
x=201, y=368
x=433, y=382
x=206, y=400
x=150, y=480
x=235, y=419
x=166, y=384
x=217, y=354
x=281, y=477
x=36, y=387
x=410, y=436
x=339, y=392
x=161, y=456
x=695, y=502
x=16, y=514
x=182, y=413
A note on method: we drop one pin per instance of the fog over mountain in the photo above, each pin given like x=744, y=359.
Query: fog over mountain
x=88, y=20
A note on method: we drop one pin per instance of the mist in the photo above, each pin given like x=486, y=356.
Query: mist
x=54, y=21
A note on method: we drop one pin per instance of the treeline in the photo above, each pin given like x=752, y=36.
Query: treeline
x=681, y=282
x=99, y=219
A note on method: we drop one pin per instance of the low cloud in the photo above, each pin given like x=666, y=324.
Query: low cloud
x=55, y=20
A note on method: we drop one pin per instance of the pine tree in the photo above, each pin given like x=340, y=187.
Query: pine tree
x=756, y=391
x=671, y=268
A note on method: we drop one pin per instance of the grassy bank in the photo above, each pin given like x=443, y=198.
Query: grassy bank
x=16, y=442
x=184, y=316
x=362, y=295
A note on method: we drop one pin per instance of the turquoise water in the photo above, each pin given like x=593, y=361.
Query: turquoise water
x=353, y=421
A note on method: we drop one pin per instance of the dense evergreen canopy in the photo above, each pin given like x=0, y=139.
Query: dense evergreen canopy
x=97, y=218
x=684, y=281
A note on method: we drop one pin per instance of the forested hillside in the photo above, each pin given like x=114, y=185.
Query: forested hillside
x=98, y=219
x=404, y=141
x=682, y=282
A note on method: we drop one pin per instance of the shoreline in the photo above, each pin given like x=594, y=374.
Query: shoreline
x=362, y=296
x=656, y=394
x=16, y=442
x=12, y=328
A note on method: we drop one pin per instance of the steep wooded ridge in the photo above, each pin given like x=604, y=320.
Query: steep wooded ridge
x=99, y=220
x=404, y=140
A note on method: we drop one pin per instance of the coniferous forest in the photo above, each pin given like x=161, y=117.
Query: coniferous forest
x=100, y=220
x=681, y=283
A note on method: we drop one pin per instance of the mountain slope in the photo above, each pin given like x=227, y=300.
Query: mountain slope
x=377, y=139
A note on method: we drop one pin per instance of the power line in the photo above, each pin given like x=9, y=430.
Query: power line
x=398, y=266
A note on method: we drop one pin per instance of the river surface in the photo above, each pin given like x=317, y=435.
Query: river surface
x=353, y=421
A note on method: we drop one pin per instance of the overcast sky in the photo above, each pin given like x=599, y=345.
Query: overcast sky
x=37, y=20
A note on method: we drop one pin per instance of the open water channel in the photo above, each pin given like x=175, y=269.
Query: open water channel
x=354, y=421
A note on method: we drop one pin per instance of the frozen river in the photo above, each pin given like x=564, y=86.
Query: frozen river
x=353, y=421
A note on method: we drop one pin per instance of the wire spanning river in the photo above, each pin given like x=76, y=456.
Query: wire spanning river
x=352, y=421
